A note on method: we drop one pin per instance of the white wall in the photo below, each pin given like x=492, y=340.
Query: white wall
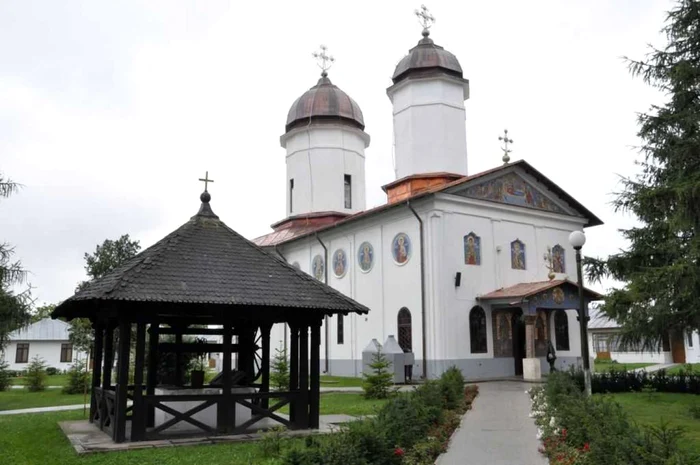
x=429, y=126
x=318, y=157
x=692, y=354
x=50, y=351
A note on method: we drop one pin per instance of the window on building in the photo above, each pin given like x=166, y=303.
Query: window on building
x=561, y=329
x=341, y=332
x=66, y=353
x=405, y=330
x=22, y=355
x=477, y=330
x=689, y=335
x=347, y=185
x=291, y=195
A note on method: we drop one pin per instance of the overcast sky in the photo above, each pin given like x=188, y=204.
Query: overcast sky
x=111, y=111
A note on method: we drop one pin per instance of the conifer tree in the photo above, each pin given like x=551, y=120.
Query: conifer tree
x=660, y=269
x=378, y=383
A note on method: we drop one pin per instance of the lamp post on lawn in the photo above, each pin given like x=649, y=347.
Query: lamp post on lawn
x=577, y=239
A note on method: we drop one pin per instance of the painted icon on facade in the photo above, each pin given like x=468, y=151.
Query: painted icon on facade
x=296, y=265
x=340, y=263
x=517, y=255
x=558, y=259
x=558, y=295
x=365, y=256
x=401, y=248
x=318, y=267
x=513, y=190
x=472, y=249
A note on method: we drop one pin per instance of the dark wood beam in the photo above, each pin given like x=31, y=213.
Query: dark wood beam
x=122, y=381
x=108, y=357
x=97, y=350
x=315, y=376
x=303, y=403
x=265, y=361
x=226, y=406
x=139, y=416
x=152, y=375
x=293, y=367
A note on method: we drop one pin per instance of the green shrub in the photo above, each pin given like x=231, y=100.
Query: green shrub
x=424, y=452
x=694, y=410
x=36, y=375
x=405, y=420
x=430, y=395
x=272, y=442
x=452, y=388
x=5, y=375
x=279, y=373
x=52, y=371
x=78, y=378
x=378, y=384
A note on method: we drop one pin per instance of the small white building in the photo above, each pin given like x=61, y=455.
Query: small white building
x=604, y=343
x=46, y=338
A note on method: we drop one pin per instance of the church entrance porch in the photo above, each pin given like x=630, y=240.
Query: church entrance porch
x=522, y=316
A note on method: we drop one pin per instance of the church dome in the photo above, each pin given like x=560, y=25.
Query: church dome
x=426, y=57
x=324, y=101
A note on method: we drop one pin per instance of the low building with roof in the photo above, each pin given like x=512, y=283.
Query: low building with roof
x=47, y=339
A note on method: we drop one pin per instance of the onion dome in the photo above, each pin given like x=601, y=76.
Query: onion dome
x=426, y=58
x=324, y=102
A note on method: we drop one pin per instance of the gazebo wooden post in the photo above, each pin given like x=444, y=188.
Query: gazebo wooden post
x=139, y=413
x=315, y=375
x=122, y=380
x=293, y=369
x=225, y=415
x=303, y=403
x=97, y=350
x=179, y=378
x=265, y=329
x=152, y=377
x=108, y=357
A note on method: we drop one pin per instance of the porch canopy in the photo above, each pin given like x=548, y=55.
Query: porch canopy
x=203, y=279
x=545, y=296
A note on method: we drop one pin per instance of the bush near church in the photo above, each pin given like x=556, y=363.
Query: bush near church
x=410, y=429
x=579, y=430
x=36, y=375
x=686, y=382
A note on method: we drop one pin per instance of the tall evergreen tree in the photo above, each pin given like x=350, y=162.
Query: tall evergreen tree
x=661, y=268
x=14, y=306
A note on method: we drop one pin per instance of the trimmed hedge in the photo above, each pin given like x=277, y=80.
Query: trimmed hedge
x=633, y=381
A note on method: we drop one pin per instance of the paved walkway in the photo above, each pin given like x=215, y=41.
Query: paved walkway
x=498, y=429
x=653, y=368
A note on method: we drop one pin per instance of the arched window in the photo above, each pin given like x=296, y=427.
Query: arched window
x=561, y=329
x=405, y=332
x=477, y=330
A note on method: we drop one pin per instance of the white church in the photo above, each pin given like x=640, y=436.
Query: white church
x=453, y=264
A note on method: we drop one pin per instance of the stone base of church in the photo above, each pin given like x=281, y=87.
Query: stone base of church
x=532, y=369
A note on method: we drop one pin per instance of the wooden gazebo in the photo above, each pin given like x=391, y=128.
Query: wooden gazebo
x=203, y=278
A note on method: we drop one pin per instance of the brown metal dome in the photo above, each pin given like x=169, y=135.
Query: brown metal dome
x=324, y=102
x=424, y=57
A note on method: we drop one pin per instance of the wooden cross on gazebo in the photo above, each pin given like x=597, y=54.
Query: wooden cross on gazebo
x=206, y=181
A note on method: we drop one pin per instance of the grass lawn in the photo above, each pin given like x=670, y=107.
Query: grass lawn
x=677, y=369
x=673, y=408
x=55, y=380
x=606, y=366
x=340, y=381
x=21, y=398
x=36, y=439
x=349, y=403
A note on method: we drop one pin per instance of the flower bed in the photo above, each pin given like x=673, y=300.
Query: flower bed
x=410, y=429
x=580, y=430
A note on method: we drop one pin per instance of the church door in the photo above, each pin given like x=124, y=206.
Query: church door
x=518, y=326
x=678, y=347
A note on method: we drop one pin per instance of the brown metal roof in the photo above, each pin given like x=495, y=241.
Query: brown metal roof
x=206, y=262
x=523, y=290
x=324, y=101
x=425, y=56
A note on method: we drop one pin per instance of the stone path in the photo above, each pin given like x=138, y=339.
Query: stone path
x=498, y=429
x=653, y=368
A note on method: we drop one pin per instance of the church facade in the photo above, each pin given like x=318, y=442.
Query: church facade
x=466, y=269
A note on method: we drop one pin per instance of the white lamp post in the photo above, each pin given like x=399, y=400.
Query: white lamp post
x=577, y=239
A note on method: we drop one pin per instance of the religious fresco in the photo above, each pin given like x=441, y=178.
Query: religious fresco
x=401, y=248
x=541, y=334
x=502, y=333
x=340, y=263
x=558, y=295
x=472, y=249
x=318, y=267
x=517, y=255
x=558, y=259
x=365, y=256
x=514, y=190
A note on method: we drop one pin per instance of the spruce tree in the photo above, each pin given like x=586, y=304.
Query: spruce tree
x=279, y=375
x=378, y=383
x=660, y=270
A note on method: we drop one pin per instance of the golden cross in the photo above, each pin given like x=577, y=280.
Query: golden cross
x=549, y=263
x=424, y=18
x=325, y=61
x=506, y=150
x=206, y=180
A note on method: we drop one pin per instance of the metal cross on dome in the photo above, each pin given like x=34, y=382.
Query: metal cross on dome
x=506, y=151
x=206, y=181
x=325, y=61
x=425, y=18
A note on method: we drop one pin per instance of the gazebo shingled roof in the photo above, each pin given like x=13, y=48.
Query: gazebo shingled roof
x=206, y=262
